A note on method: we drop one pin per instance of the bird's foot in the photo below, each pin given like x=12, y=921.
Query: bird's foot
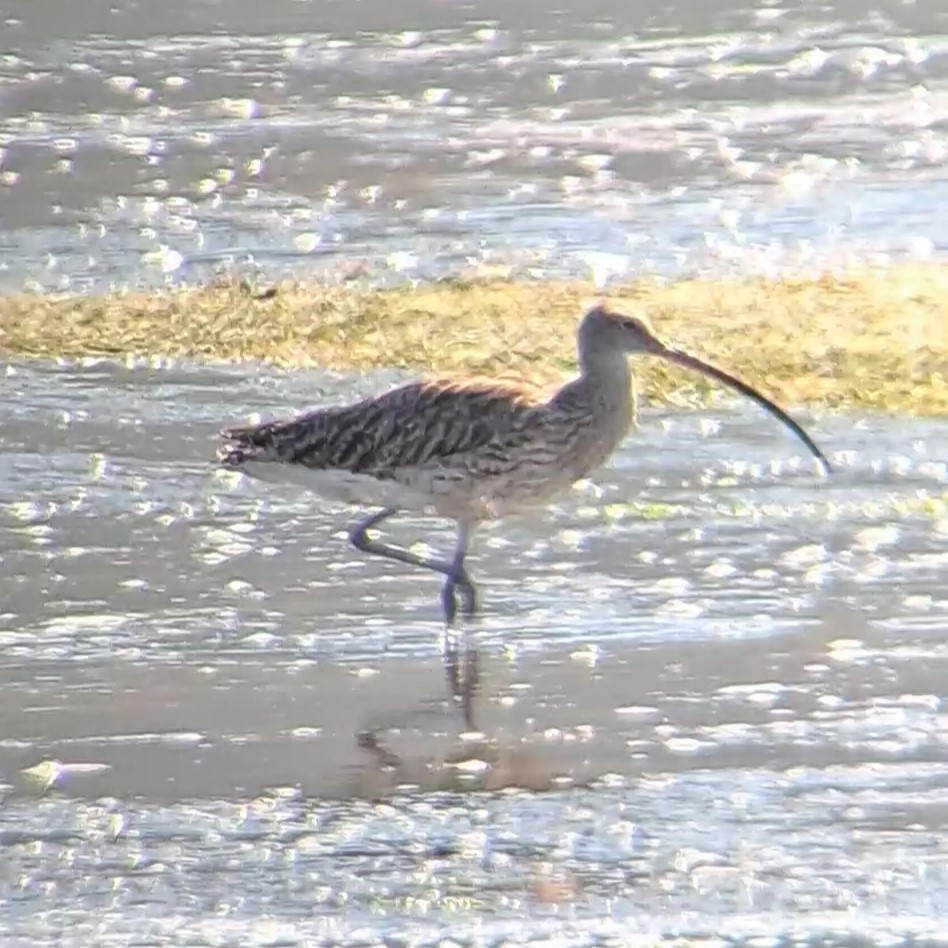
x=455, y=587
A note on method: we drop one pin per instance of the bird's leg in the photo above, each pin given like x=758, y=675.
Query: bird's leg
x=462, y=674
x=360, y=539
x=463, y=671
x=459, y=582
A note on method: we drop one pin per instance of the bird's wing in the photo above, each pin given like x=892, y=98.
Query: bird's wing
x=418, y=424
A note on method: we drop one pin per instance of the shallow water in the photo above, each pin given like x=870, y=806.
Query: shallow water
x=728, y=671
x=143, y=142
x=713, y=681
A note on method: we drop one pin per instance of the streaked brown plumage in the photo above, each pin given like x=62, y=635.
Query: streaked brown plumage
x=466, y=450
x=472, y=451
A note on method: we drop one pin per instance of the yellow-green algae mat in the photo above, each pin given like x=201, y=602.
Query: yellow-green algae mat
x=872, y=338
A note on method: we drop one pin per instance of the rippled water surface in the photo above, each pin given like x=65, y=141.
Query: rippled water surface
x=726, y=672
x=712, y=680
x=144, y=141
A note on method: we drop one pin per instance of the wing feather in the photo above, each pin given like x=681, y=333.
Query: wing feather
x=418, y=424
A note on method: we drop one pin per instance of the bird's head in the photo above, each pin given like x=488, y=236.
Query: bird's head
x=604, y=334
x=606, y=331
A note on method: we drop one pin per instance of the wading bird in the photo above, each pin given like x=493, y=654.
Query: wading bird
x=470, y=451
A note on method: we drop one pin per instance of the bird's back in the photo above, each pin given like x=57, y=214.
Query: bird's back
x=471, y=449
x=412, y=426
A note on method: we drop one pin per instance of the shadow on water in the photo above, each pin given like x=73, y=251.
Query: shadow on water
x=239, y=729
x=731, y=670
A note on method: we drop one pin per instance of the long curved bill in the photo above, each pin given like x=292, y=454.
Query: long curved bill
x=692, y=362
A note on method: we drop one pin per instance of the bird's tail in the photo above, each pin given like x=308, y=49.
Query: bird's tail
x=250, y=443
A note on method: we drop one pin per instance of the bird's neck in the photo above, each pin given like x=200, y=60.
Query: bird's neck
x=598, y=364
x=604, y=389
